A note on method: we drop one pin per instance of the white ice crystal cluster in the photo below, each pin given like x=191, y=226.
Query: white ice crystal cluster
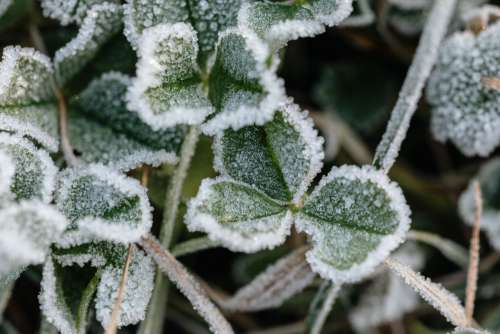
x=70, y=11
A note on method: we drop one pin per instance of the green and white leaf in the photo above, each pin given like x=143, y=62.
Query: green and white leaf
x=27, y=104
x=279, y=158
x=102, y=22
x=238, y=215
x=279, y=22
x=103, y=130
x=27, y=230
x=356, y=218
x=137, y=292
x=102, y=204
x=7, y=173
x=70, y=11
x=66, y=295
x=35, y=172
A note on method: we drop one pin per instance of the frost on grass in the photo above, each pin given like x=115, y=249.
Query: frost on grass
x=102, y=22
x=70, y=11
x=27, y=230
x=489, y=180
x=102, y=205
x=103, y=130
x=280, y=158
x=137, y=293
x=465, y=108
x=356, y=218
x=279, y=22
x=26, y=99
x=35, y=172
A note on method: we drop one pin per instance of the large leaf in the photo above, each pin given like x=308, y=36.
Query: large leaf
x=103, y=130
x=280, y=158
x=26, y=98
x=35, y=172
x=356, y=217
x=102, y=205
x=27, y=229
x=240, y=216
x=70, y=11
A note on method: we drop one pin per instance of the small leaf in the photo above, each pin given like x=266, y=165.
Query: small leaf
x=280, y=22
x=27, y=230
x=240, y=216
x=102, y=205
x=70, y=11
x=102, y=22
x=35, y=172
x=280, y=158
x=26, y=98
x=356, y=218
x=105, y=131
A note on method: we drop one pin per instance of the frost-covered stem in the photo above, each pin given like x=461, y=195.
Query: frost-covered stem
x=322, y=306
x=470, y=293
x=420, y=69
x=115, y=313
x=186, y=283
x=5, y=292
x=193, y=246
x=157, y=306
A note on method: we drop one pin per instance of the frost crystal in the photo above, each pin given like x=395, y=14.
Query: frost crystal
x=70, y=11
x=356, y=217
x=105, y=131
x=101, y=23
x=465, y=109
x=26, y=97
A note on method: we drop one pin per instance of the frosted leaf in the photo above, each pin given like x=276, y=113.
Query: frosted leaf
x=489, y=180
x=465, y=330
x=243, y=86
x=388, y=298
x=465, y=110
x=274, y=286
x=7, y=172
x=280, y=22
x=279, y=158
x=27, y=230
x=66, y=294
x=238, y=215
x=105, y=131
x=102, y=204
x=102, y=22
x=70, y=11
x=35, y=172
x=4, y=6
x=356, y=218
x=26, y=97
x=137, y=292
x=168, y=89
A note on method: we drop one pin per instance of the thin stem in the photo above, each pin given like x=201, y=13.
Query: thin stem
x=322, y=306
x=5, y=293
x=153, y=324
x=193, y=246
x=472, y=273
x=448, y=248
x=420, y=69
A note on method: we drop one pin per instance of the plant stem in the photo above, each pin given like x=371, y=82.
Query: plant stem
x=157, y=306
x=420, y=69
x=193, y=246
x=321, y=306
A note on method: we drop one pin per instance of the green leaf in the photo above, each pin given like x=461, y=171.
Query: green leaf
x=279, y=22
x=102, y=205
x=27, y=230
x=105, y=131
x=279, y=158
x=70, y=11
x=66, y=295
x=7, y=173
x=102, y=22
x=26, y=98
x=356, y=218
x=240, y=216
x=35, y=172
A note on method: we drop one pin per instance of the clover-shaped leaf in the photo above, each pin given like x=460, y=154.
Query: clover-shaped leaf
x=70, y=11
x=103, y=130
x=356, y=217
x=102, y=204
x=266, y=169
x=27, y=230
x=27, y=102
x=35, y=172
x=465, y=109
x=102, y=21
x=279, y=22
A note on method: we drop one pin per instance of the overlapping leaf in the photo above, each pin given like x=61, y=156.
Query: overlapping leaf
x=70, y=11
